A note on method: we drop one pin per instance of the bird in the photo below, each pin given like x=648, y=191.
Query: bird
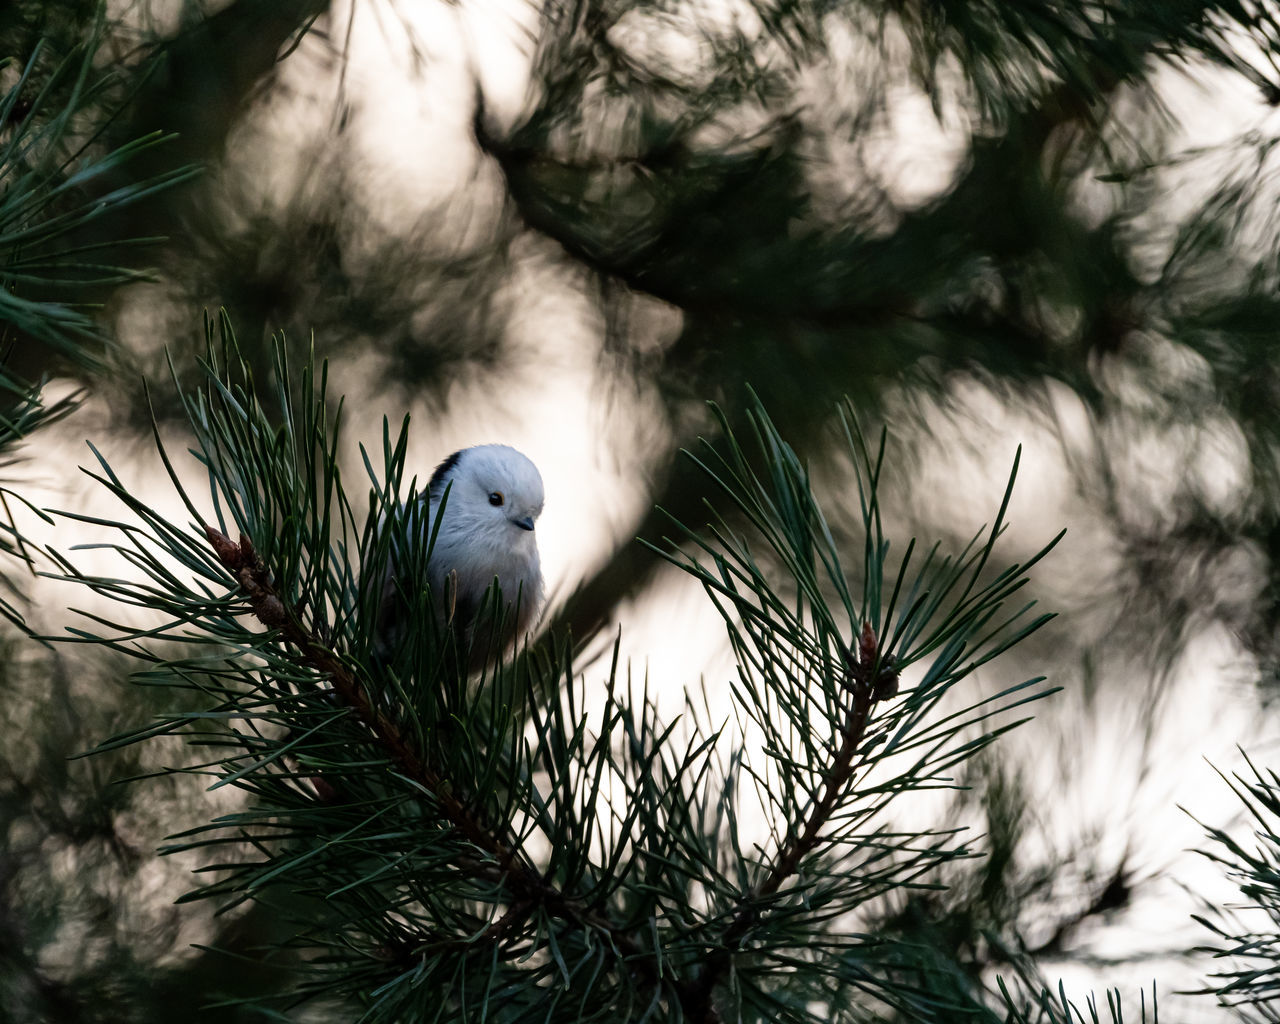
x=483, y=505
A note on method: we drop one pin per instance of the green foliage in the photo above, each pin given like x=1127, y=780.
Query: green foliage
x=1056, y=1008
x=505, y=839
x=58, y=182
x=1247, y=936
x=530, y=845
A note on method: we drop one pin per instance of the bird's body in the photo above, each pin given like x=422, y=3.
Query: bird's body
x=480, y=541
x=486, y=499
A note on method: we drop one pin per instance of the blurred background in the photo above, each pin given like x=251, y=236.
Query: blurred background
x=566, y=226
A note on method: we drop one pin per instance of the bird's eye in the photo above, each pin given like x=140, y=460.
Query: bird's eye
x=496, y=498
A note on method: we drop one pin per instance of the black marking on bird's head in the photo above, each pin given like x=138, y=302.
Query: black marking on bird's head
x=435, y=486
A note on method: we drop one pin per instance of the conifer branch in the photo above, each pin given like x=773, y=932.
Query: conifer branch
x=872, y=678
x=270, y=609
x=506, y=866
x=425, y=799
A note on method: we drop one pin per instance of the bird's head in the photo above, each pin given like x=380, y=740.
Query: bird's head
x=493, y=490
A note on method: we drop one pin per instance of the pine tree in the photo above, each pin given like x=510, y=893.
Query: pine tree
x=698, y=190
x=532, y=845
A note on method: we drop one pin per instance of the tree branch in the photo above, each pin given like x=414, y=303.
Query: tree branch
x=872, y=678
x=507, y=866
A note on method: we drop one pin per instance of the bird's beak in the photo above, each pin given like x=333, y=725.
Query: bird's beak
x=525, y=524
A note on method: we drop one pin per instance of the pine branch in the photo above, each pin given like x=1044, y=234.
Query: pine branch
x=272, y=611
x=62, y=185
x=871, y=680
x=416, y=805
x=506, y=866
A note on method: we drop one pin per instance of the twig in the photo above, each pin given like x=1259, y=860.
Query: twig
x=271, y=611
x=507, y=866
x=868, y=686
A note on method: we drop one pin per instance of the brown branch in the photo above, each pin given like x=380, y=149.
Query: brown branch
x=268, y=607
x=506, y=866
x=530, y=890
x=868, y=685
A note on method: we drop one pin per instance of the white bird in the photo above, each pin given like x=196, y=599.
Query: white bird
x=486, y=533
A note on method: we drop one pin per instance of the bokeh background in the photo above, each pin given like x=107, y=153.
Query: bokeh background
x=566, y=226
